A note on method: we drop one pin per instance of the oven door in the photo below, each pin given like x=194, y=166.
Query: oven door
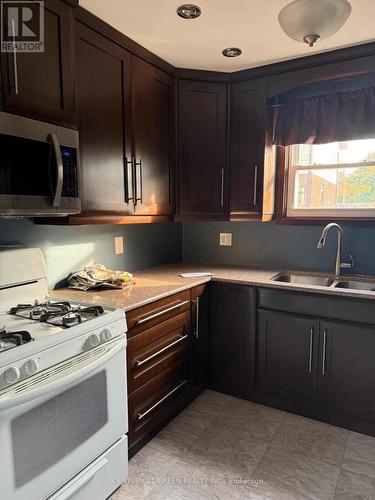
x=39, y=166
x=57, y=422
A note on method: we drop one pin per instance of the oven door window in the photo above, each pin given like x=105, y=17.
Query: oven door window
x=50, y=432
x=27, y=167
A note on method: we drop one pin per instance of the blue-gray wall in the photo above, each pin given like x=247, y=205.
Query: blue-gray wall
x=277, y=246
x=145, y=245
x=66, y=248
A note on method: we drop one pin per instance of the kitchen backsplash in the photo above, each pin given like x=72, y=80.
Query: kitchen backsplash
x=66, y=248
x=269, y=245
x=277, y=246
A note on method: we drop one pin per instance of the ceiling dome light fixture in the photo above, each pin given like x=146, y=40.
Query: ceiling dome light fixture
x=189, y=11
x=312, y=20
x=232, y=52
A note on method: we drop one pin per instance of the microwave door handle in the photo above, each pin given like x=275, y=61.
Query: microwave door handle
x=59, y=170
x=19, y=394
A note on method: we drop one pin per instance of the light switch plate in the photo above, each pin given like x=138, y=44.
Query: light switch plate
x=225, y=239
x=119, y=245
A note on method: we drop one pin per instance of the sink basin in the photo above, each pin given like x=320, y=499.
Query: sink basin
x=355, y=285
x=304, y=279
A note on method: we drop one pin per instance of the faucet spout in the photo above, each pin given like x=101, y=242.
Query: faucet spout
x=322, y=242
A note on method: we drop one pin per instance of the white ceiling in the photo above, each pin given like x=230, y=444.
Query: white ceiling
x=251, y=25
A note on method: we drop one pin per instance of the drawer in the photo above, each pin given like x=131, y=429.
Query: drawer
x=101, y=478
x=324, y=306
x=156, y=402
x=147, y=316
x=154, y=350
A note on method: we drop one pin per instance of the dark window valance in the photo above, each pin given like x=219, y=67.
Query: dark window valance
x=342, y=116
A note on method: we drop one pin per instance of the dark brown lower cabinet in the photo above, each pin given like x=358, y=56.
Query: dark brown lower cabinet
x=311, y=365
x=346, y=381
x=287, y=358
x=233, y=339
x=200, y=325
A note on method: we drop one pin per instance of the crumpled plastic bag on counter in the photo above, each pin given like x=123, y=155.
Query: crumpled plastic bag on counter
x=99, y=277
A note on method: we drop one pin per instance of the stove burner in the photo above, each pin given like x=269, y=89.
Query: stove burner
x=38, y=309
x=16, y=338
x=56, y=313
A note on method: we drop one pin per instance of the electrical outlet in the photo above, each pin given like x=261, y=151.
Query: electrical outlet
x=225, y=239
x=119, y=245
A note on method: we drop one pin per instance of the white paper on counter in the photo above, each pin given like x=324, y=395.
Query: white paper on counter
x=195, y=275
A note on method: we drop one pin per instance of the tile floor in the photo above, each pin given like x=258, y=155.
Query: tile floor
x=225, y=448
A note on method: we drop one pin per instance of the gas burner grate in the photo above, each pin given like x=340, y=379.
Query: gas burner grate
x=56, y=313
x=16, y=338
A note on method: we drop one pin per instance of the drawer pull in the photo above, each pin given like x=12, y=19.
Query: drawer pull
x=160, y=313
x=140, y=416
x=143, y=361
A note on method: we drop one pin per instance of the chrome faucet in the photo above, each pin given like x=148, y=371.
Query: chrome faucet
x=322, y=241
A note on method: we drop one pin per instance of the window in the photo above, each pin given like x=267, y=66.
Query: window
x=331, y=180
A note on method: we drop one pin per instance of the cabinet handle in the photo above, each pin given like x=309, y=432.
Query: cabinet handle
x=138, y=168
x=15, y=66
x=140, y=416
x=255, y=184
x=196, y=333
x=160, y=313
x=324, y=352
x=128, y=180
x=222, y=188
x=156, y=354
x=311, y=349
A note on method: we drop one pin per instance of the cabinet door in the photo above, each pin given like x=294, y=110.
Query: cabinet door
x=287, y=359
x=247, y=147
x=346, y=383
x=152, y=105
x=41, y=85
x=233, y=339
x=202, y=148
x=103, y=105
x=200, y=324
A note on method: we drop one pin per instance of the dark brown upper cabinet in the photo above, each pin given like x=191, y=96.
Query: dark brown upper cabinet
x=103, y=89
x=41, y=85
x=247, y=147
x=125, y=120
x=202, y=149
x=153, y=150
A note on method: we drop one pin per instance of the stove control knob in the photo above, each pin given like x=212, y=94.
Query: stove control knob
x=12, y=375
x=105, y=335
x=31, y=366
x=93, y=340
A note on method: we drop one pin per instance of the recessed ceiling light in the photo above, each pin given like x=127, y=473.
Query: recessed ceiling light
x=232, y=52
x=189, y=11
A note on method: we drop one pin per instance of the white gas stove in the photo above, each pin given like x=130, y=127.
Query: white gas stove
x=58, y=358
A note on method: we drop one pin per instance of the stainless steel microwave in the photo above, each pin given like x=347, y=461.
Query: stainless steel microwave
x=39, y=168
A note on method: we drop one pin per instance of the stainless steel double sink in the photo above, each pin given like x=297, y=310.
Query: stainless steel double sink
x=350, y=283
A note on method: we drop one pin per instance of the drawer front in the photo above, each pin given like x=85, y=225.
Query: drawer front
x=154, y=350
x=324, y=306
x=157, y=401
x=147, y=316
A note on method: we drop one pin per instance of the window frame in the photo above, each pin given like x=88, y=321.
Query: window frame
x=287, y=215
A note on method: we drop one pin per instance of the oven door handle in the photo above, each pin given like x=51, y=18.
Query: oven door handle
x=59, y=170
x=61, y=376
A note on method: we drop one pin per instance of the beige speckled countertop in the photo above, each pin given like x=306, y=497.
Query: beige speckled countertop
x=156, y=283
